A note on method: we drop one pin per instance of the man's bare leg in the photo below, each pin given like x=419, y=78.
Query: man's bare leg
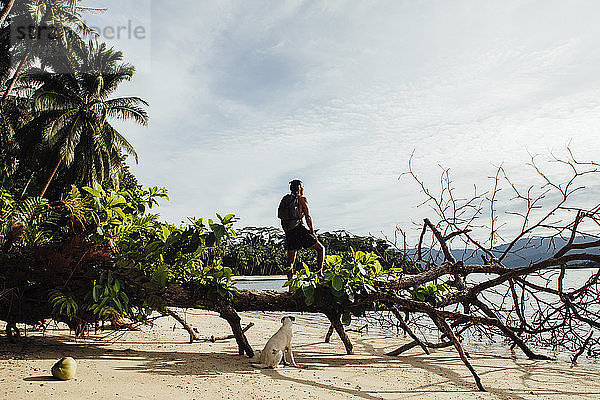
x=320, y=249
x=291, y=260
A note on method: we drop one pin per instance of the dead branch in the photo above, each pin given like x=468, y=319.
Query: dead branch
x=213, y=338
x=447, y=330
x=183, y=322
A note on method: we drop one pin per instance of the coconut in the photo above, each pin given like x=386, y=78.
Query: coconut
x=64, y=369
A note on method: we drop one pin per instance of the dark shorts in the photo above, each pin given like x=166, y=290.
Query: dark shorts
x=299, y=238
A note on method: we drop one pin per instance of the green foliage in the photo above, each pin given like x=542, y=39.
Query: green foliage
x=193, y=253
x=103, y=252
x=108, y=298
x=343, y=280
x=72, y=113
x=261, y=251
x=36, y=217
x=113, y=258
x=255, y=251
x=429, y=292
x=62, y=119
x=7, y=210
x=63, y=303
x=161, y=253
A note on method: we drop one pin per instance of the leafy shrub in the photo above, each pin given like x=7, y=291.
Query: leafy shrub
x=342, y=281
x=109, y=256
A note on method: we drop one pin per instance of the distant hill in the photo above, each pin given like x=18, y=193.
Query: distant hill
x=525, y=251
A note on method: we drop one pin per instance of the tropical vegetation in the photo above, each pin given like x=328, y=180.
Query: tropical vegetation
x=261, y=250
x=79, y=235
x=81, y=242
x=110, y=256
x=58, y=103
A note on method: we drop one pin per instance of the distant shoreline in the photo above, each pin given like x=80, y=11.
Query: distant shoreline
x=258, y=277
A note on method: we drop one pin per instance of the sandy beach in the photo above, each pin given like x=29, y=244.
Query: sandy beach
x=159, y=363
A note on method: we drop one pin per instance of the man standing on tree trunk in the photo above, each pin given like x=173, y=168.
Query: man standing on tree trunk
x=292, y=208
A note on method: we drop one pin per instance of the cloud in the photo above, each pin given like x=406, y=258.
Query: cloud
x=248, y=95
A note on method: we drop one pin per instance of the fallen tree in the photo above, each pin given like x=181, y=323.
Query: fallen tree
x=526, y=291
x=528, y=303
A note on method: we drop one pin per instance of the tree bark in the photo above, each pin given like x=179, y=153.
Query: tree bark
x=445, y=328
x=412, y=344
x=27, y=184
x=329, y=333
x=15, y=77
x=50, y=178
x=339, y=328
x=12, y=332
x=407, y=329
x=231, y=316
x=6, y=11
x=226, y=337
x=182, y=321
x=510, y=334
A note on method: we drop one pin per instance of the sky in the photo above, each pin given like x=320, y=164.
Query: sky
x=247, y=95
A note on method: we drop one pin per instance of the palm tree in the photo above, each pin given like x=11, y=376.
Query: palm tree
x=15, y=149
x=60, y=17
x=72, y=113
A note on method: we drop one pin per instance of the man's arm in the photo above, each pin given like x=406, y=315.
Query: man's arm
x=306, y=213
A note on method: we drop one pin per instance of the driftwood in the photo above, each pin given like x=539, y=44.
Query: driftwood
x=213, y=338
x=485, y=289
x=251, y=300
x=192, y=331
x=183, y=322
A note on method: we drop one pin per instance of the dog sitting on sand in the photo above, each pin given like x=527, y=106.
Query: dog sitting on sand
x=278, y=347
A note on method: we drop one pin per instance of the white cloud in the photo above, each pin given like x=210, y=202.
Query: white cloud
x=247, y=95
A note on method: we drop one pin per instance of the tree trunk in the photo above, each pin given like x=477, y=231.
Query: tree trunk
x=447, y=330
x=13, y=80
x=230, y=315
x=409, y=331
x=329, y=333
x=27, y=185
x=334, y=318
x=6, y=11
x=50, y=179
x=183, y=322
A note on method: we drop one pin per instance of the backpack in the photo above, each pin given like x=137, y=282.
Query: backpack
x=288, y=208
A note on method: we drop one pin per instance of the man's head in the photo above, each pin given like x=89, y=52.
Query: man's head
x=296, y=186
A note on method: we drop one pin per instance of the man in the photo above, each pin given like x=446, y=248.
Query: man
x=292, y=208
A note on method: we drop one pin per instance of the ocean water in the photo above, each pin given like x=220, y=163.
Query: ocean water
x=573, y=278
x=260, y=283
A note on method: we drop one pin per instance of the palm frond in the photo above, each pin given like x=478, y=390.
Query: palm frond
x=71, y=111
x=126, y=101
x=121, y=142
x=56, y=124
x=124, y=113
x=54, y=101
x=70, y=140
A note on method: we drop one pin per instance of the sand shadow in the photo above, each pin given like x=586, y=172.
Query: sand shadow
x=449, y=367
x=273, y=373
x=318, y=356
x=42, y=378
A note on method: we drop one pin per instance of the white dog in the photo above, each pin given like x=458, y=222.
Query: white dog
x=278, y=347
